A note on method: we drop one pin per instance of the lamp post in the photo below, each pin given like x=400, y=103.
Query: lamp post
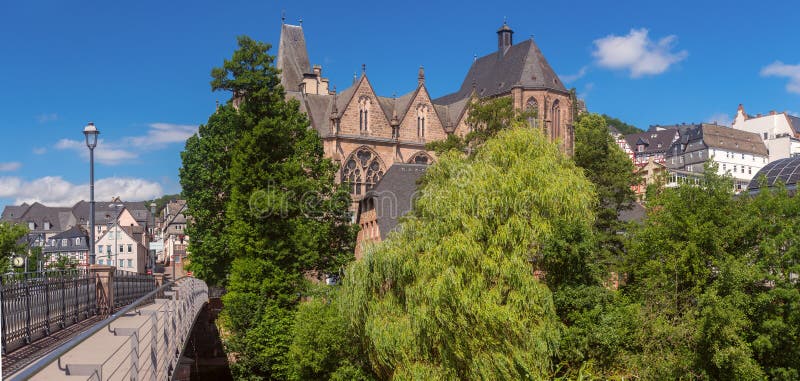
x=91, y=132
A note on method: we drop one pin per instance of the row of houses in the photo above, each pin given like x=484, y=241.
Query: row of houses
x=128, y=235
x=678, y=153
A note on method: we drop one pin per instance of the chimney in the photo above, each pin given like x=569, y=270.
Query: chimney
x=758, y=115
x=772, y=112
x=318, y=71
x=504, y=39
x=421, y=76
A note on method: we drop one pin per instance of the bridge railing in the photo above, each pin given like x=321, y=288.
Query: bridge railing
x=141, y=341
x=37, y=304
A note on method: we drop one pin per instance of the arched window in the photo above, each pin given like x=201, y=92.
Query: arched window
x=556, y=131
x=362, y=170
x=421, y=157
x=363, y=114
x=532, y=108
x=422, y=113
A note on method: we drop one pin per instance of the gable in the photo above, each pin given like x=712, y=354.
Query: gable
x=421, y=106
x=364, y=96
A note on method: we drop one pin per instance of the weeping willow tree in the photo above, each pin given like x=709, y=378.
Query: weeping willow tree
x=452, y=295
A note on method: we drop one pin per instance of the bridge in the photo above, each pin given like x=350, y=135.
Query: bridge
x=97, y=324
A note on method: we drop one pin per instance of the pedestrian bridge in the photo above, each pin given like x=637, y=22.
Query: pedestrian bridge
x=141, y=341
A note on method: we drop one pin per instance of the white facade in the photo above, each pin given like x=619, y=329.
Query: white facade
x=775, y=129
x=117, y=248
x=741, y=166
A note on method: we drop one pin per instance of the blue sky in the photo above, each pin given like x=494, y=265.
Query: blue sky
x=140, y=70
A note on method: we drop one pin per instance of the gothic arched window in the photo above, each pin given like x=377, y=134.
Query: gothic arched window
x=421, y=157
x=362, y=170
x=532, y=109
x=422, y=112
x=556, y=130
x=363, y=114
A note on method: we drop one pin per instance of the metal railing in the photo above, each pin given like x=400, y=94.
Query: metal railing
x=129, y=286
x=153, y=345
x=35, y=305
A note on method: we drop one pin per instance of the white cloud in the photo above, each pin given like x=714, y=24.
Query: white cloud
x=720, y=118
x=128, y=148
x=568, y=78
x=587, y=88
x=780, y=69
x=44, y=118
x=10, y=166
x=637, y=53
x=161, y=134
x=55, y=191
x=105, y=153
x=40, y=150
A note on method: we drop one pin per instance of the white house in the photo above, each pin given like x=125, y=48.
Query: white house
x=738, y=153
x=779, y=131
x=121, y=246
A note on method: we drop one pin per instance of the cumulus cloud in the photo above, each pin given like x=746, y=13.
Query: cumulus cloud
x=128, y=148
x=568, y=78
x=161, y=134
x=780, y=69
x=55, y=191
x=720, y=118
x=637, y=53
x=10, y=166
x=44, y=118
x=105, y=153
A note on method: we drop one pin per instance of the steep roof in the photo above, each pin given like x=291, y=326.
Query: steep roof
x=654, y=141
x=794, y=122
x=393, y=195
x=522, y=65
x=292, y=57
x=73, y=232
x=729, y=139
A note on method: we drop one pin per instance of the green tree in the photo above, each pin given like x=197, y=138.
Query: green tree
x=285, y=219
x=452, y=294
x=622, y=127
x=11, y=242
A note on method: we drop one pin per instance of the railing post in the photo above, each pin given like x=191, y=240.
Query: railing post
x=27, y=312
x=105, y=288
x=3, y=316
x=159, y=277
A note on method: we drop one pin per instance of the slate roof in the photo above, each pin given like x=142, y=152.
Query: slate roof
x=794, y=122
x=729, y=139
x=63, y=218
x=70, y=234
x=522, y=65
x=292, y=57
x=393, y=195
x=654, y=141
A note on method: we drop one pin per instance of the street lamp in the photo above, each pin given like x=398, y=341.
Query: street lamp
x=91, y=132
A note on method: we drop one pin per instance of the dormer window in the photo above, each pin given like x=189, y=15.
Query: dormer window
x=31, y=225
x=46, y=225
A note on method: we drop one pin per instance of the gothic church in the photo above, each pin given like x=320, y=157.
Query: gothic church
x=366, y=133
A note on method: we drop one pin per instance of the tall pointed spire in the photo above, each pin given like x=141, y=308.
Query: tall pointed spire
x=421, y=76
x=504, y=38
x=293, y=59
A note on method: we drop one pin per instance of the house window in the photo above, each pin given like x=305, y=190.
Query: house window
x=532, y=108
x=46, y=225
x=100, y=248
x=724, y=167
x=765, y=136
x=130, y=263
x=121, y=262
x=100, y=261
x=64, y=242
x=742, y=156
x=130, y=248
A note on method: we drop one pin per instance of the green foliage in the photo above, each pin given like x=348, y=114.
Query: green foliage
x=323, y=347
x=622, y=127
x=452, y=295
x=63, y=262
x=162, y=201
x=452, y=143
x=11, y=242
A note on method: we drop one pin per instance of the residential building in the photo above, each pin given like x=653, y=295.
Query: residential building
x=620, y=140
x=738, y=153
x=651, y=144
x=779, y=131
x=72, y=244
x=173, y=232
x=651, y=173
x=121, y=246
x=366, y=133
x=381, y=208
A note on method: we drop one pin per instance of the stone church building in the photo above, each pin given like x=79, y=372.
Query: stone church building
x=366, y=133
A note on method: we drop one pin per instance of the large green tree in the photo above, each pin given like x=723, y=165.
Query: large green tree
x=453, y=295
x=281, y=217
x=10, y=242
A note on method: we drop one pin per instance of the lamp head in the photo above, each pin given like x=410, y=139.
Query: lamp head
x=91, y=132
